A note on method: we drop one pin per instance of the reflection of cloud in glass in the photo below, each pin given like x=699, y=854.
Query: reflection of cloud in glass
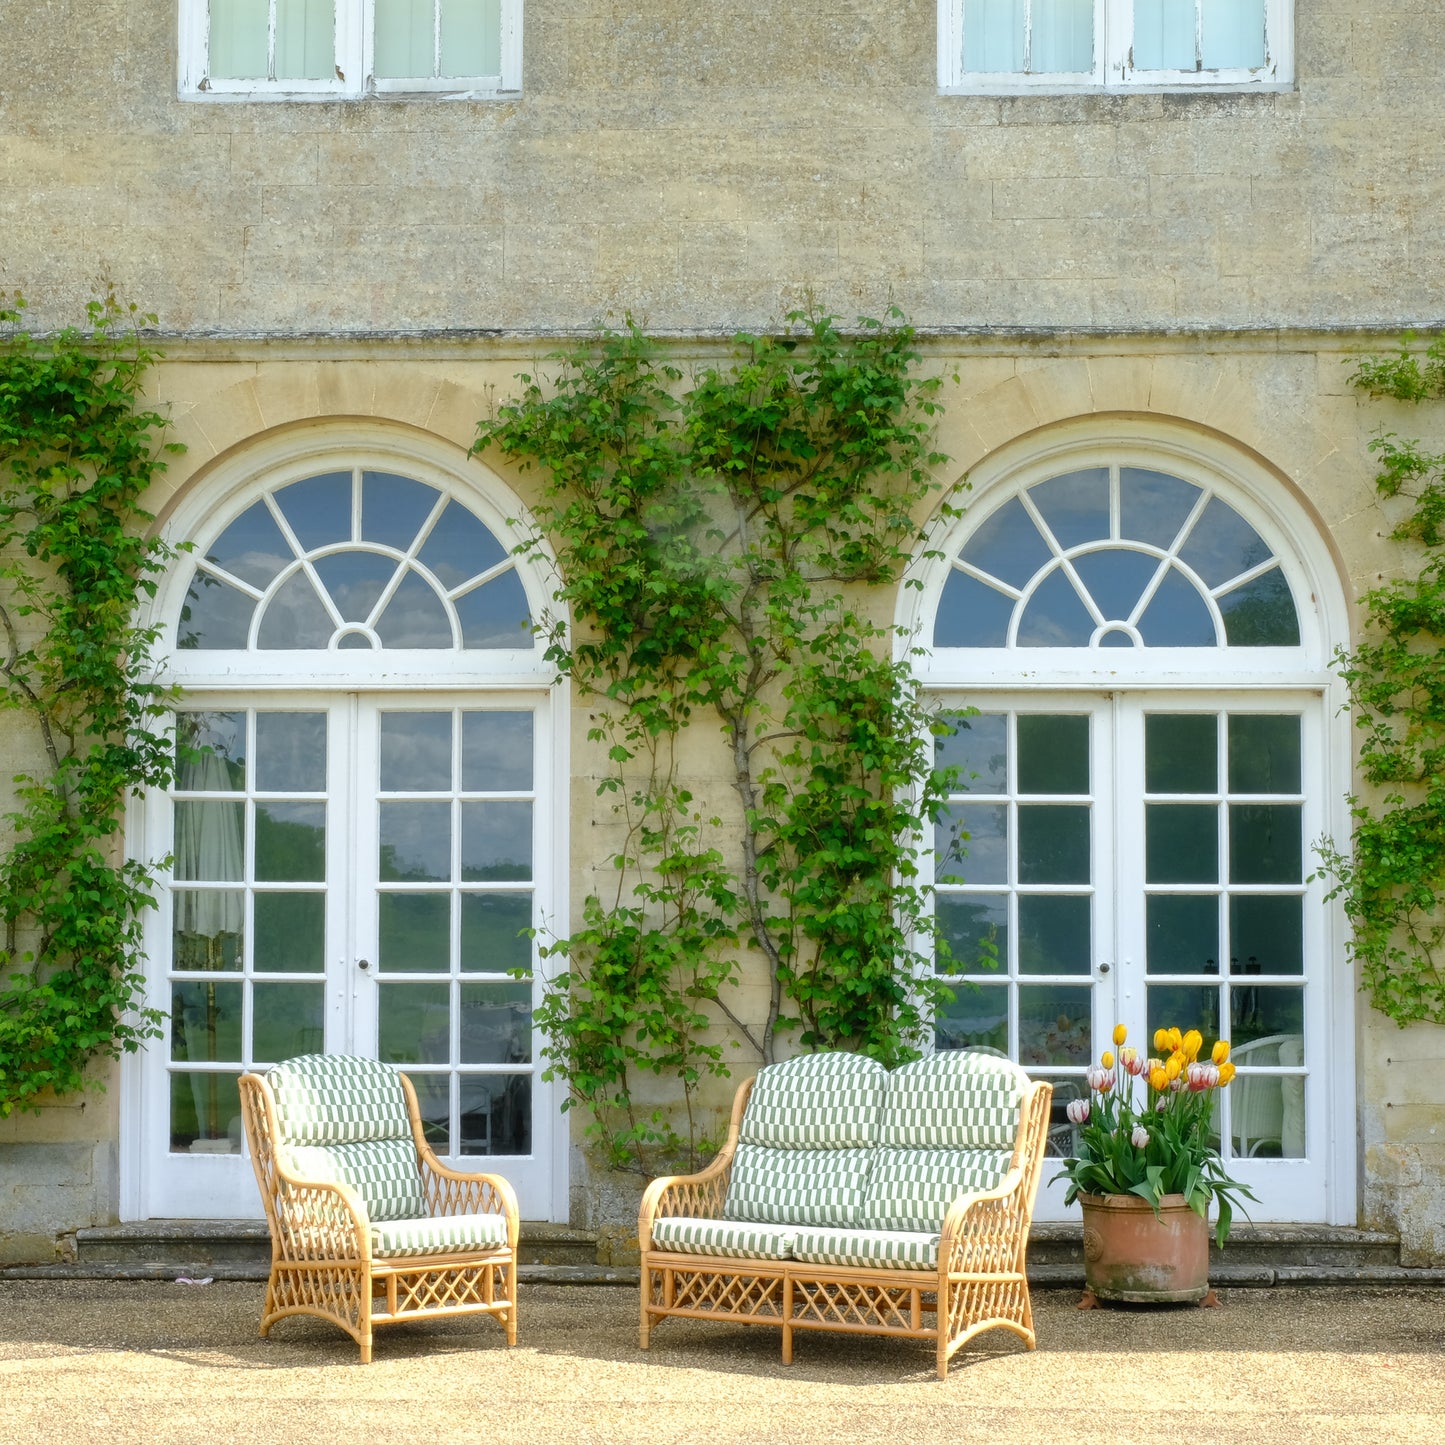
x=496, y=752
x=318, y=509
x=214, y=615
x=1075, y=506
x=1008, y=545
x=416, y=752
x=415, y=617
x=1055, y=616
x=294, y=617
x=355, y=581
x=252, y=547
x=460, y=546
x=416, y=842
x=1222, y=544
x=496, y=841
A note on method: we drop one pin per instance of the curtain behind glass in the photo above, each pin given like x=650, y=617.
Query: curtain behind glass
x=1164, y=34
x=305, y=39
x=471, y=38
x=1233, y=34
x=1063, y=37
x=993, y=35
x=238, y=39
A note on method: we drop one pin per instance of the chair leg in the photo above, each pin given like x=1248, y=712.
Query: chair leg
x=644, y=1324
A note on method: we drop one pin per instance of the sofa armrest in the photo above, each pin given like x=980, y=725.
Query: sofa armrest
x=686, y=1196
x=987, y=1232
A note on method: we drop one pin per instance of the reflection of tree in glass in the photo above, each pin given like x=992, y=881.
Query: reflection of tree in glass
x=1261, y=613
x=287, y=850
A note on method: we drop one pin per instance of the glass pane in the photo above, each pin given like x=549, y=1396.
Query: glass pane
x=210, y=752
x=305, y=39
x=460, y=546
x=1267, y=1111
x=205, y=1113
x=471, y=37
x=971, y=614
x=975, y=927
x=993, y=35
x=496, y=752
x=496, y=1113
x=214, y=615
x=1181, y=843
x=1075, y=506
x=1181, y=753
x=1053, y=753
x=1153, y=506
x=294, y=617
x=1053, y=843
x=496, y=932
x=496, y=842
x=291, y=842
x=1117, y=637
x=1264, y=753
x=290, y=932
x=415, y=617
x=286, y=1019
x=238, y=39
x=414, y=1023
x=1055, y=933
x=394, y=508
x=206, y=932
x=1183, y=933
x=1054, y=616
x=355, y=581
x=971, y=841
x=1260, y=1011
x=1222, y=545
x=1063, y=37
x=434, y=1102
x=1116, y=579
x=206, y=1022
x=354, y=640
x=977, y=1018
x=1008, y=545
x=291, y=752
x=496, y=614
x=210, y=842
x=1184, y=1006
x=252, y=547
x=1232, y=33
x=1266, y=933
x=1055, y=1024
x=1265, y=843
x=405, y=39
x=416, y=752
x=978, y=748
x=416, y=842
x=496, y=1023
x=1261, y=613
x=318, y=509
x=1177, y=616
x=1164, y=34
x=416, y=932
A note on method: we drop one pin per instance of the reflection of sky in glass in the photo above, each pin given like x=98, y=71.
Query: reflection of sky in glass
x=215, y=615
x=416, y=842
x=496, y=614
x=318, y=509
x=1075, y=506
x=971, y=841
x=252, y=547
x=1008, y=545
x=1116, y=579
x=1222, y=544
x=355, y=581
x=496, y=752
x=979, y=745
x=394, y=508
x=1153, y=506
x=971, y=614
x=1177, y=616
x=415, y=617
x=294, y=617
x=1055, y=616
x=460, y=546
x=416, y=752
x=291, y=752
x=496, y=841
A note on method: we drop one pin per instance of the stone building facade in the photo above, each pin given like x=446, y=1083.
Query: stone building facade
x=1151, y=292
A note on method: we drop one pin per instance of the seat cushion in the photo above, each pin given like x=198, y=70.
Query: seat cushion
x=337, y=1099
x=953, y=1100
x=725, y=1237
x=383, y=1173
x=797, y=1186
x=911, y=1189
x=445, y=1234
x=887, y=1249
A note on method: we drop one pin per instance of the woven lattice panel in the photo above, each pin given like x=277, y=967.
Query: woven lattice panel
x=853, y=1305
x=746, y=1295
x=428, y=1290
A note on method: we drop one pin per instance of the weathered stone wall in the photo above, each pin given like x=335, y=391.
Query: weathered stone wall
x=694, y=165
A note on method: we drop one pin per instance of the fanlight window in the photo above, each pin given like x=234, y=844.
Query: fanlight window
x=356, y=559
x=1116, y=556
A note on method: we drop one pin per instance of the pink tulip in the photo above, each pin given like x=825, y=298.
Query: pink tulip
x=1077, y=1111
x=1101, y=1080
x=1140, y=1137
x=1131, y=1061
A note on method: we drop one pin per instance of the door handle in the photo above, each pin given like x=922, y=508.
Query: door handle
x=363, y=964
x=1103, y=969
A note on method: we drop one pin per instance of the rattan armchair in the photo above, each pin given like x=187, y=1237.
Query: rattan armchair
x=368, y=1227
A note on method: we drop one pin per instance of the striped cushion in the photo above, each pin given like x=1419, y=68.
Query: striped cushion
x=383, y=1172
x=911, y=1189
x=337, y=1099
x=797, y=1186
x=446, y=1234
x=816, y=1101
x=889, y=1248
x=953, y=1100
x=721, y=1236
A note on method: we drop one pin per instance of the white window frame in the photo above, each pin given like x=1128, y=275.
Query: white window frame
x=355, y=63
x=1114, y=68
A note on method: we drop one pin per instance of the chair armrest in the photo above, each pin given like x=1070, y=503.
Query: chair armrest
x=688, y=1196
x=452, y=1191
x=316, y=1220
x=987, y=1232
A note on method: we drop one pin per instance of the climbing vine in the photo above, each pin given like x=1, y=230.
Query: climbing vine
x=722, y=539
x=1392, y=880
x=77, y=451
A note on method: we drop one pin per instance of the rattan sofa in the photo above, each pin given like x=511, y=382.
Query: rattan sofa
x=367, y=1226
x=850, y=1198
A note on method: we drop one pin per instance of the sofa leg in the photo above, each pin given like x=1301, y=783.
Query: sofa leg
x=787, y=1344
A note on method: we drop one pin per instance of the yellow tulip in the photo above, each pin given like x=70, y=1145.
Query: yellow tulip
x=1191, y=1043
x=1175, y=1038
x=1174, y=1067
x=1220, y=1051
x=1161, y=1041
x=1107, y=1059
x=1120, y=1034
x=1158, y=1079
x=1226, y=1073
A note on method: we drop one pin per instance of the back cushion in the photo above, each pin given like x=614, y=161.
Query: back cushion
x=806, y=1139
x=383, y=1172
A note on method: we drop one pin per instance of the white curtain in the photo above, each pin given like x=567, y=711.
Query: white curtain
x=305, y=40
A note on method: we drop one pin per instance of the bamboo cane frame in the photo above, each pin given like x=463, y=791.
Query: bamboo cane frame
x=321, y=1257
x=979, y=1284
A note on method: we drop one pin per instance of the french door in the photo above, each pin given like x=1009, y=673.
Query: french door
x=1144, y=858
x=361, y=874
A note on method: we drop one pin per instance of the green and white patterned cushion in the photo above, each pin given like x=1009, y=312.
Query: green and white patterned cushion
x=337, y=1099
x=816, y=1101
x=953, y=1100
x=796, y=1186
x=383, y=1172
x=446, y=1234
x=889, y=1249
x=733, y=1239
x=911, y=1189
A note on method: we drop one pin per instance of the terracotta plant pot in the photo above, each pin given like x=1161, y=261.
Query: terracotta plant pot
x=1130, y=1255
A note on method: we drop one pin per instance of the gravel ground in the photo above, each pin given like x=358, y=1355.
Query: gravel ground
x=148, y=1362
